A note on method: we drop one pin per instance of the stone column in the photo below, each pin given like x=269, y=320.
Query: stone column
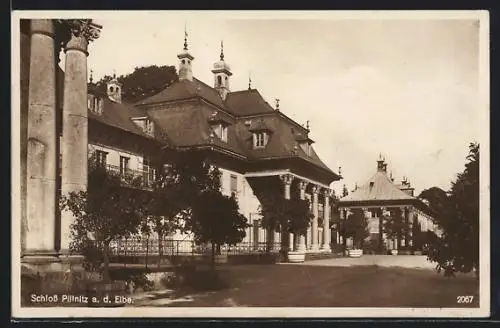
x=287, y=182
x=42, y=144
x=302, y=238
x=410, y=227
x=326, y=222
x=75, y=122
x=314, y=242
x=276, y=240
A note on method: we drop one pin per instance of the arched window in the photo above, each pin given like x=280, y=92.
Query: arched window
x=183, y=61
x=111, y=89
x=189, y=62
x=219, y=80
x=117, y=89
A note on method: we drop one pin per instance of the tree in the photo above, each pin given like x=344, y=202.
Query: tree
x=457, y=212
x=285, y=215
x=143, y=82
x=216, y=218
x=105, y=212
x=356, y=227
x=180, y=177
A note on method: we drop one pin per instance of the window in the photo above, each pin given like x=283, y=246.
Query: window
x=234, y=184
x=148, y=126
x=94, y=104
x=111, y=89
x=219, y=80
x=221, y=132
x=101, y=158
x=124, y=164
x=149, y=172
x=183, y=61
x=260, y=139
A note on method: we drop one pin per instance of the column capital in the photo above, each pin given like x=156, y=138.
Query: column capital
x=315, y=189
x=79, y=33
x=303, y=184
x=287, y=178
x=327, y=192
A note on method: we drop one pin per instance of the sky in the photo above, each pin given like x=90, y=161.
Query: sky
x=405, y=88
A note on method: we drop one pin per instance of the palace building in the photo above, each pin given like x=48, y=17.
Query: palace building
x=64, y=121
x=380, y=198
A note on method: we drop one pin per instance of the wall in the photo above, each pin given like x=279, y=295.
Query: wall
x=248, y=202
x=113, y=157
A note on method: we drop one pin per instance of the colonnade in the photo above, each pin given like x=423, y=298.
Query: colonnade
x=41, y=226
x=299, y=242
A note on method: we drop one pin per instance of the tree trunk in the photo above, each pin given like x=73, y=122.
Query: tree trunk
x=213, y=255
x=105, y=272
x=160, y=243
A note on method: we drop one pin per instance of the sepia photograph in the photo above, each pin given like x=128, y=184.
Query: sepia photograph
x=250, y=164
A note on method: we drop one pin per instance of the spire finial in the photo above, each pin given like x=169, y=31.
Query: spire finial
x=185, y=37
x=91, y=79
x=249, y=83
x=380, y=156
x=114, y=74
x=221, y=50
x=277, y=103
x=307, y=124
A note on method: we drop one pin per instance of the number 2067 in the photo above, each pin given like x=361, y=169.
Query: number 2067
x=465, y=299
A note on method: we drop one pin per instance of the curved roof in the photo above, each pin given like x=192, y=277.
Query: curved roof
x=378, y=187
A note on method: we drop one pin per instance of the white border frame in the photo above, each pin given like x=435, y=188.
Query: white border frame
x=166, y=312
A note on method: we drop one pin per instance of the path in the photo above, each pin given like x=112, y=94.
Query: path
x=403, y=261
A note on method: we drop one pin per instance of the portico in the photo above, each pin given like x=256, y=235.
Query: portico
x=318, y=236
x=383, y=204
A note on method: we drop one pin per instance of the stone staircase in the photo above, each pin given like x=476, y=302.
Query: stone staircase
x=321, y=256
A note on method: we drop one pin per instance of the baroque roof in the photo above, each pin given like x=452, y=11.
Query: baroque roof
x=378, y=188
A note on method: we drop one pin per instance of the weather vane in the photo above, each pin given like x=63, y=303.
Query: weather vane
x=185, y=37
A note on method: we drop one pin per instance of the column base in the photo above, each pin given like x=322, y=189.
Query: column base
x=314, y=248
x=325, y=248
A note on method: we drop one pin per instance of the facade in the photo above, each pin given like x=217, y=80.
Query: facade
x=380, y=199
x=255, y=145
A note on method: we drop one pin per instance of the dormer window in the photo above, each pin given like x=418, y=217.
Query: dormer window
x=94, y=104
x=305, y=143
x=220, y=131
x=219, y=124
x=260, y=133
x=146, y=124
x=260, y=139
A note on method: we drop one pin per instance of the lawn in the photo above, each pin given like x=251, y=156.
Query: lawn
x=317, y=286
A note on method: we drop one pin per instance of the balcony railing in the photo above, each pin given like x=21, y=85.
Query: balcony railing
x=138, y=178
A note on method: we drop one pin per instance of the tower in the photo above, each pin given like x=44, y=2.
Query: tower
x=222, y=72
x=185, y=61
x=114, y=90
